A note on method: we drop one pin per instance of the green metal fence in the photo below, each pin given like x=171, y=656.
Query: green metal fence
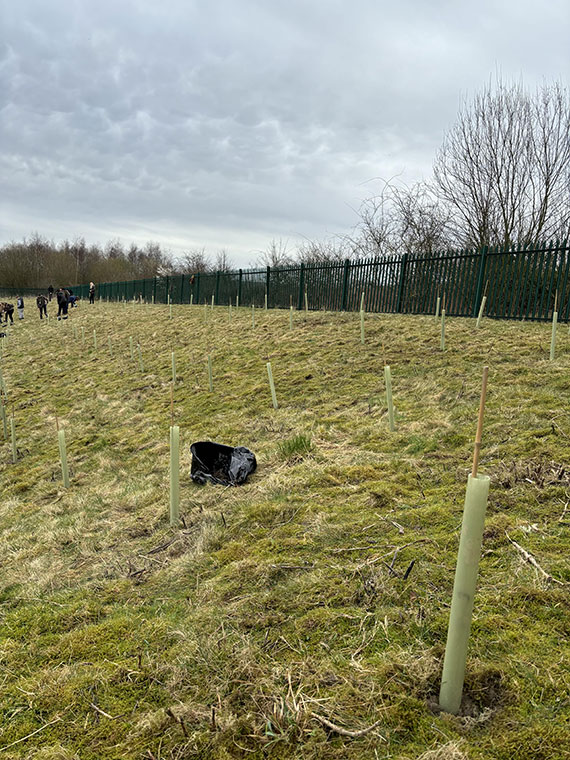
x=519, y=283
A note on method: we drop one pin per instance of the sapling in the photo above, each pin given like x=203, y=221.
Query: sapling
x=3, y=415
x=388, y=379
x=173, y=357
x=13, y=439
x=481, y=310
x=465, y=583
x=266, y=302
x=554, y=324
x=174, y=464
x=437, y=307
x=290, y=317
x=212, y=301
x=271, y=385
x=63, y=457
x=443, y=329
x=306, y=301
x=210, y=376
x=362, y=325
x=191, y=298
x=174, y=474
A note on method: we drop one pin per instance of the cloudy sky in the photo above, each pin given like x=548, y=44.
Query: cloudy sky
x=226, y=123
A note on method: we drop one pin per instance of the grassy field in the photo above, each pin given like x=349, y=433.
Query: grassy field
x=283, y=618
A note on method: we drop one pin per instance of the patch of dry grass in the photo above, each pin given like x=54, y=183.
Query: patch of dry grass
x=304, y=614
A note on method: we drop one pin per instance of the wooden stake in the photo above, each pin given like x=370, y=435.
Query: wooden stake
x=479, y=432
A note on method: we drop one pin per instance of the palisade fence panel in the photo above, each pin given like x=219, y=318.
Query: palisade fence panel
x=518, y=282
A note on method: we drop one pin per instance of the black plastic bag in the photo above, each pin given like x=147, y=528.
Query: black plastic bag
x=221, y=464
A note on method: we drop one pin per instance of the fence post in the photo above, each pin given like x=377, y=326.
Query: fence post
x=480, y=277
x=153, y=290
x=301, y=287
x=402, y=282
x=216, y=299
x=167, y=287
x=239, y=286
x=197, y=288
x=345, y=284
x=267, y=281
x=181, y=288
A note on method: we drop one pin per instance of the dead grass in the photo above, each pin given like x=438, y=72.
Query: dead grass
x=304, y=614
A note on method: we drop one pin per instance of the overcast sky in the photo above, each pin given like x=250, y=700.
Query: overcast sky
x=226, y=123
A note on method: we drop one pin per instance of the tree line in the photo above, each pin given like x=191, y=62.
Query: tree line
x=500, y=177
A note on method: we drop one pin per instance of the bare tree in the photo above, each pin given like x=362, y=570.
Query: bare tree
x=275, y=255
x=420, y=220
x=504, y=167
x=223, y=261
x=320, y=251
x=194, y=261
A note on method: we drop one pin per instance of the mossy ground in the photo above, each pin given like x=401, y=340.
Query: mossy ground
x=292, y=600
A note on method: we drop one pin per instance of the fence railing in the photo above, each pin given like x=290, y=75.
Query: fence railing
x=519, y=283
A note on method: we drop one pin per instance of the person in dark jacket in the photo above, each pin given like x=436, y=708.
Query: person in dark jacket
x=91, y=292
x=8, y=310
x=62, y=303
x=20, y=307
x=42, y=303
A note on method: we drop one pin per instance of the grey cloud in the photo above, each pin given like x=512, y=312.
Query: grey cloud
x=231, y=119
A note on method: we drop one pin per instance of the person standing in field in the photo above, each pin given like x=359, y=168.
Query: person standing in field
x=8, y=310
x=61, y=296
x=20, y=306
x=91, y=292
x=50, y=292
x=42, y=303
